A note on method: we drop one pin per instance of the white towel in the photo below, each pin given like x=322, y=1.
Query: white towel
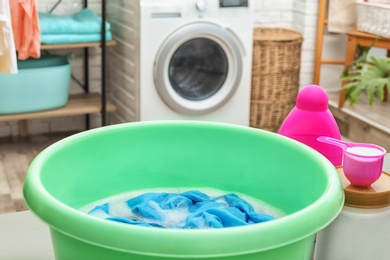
x=341, y=15
x=8, y=62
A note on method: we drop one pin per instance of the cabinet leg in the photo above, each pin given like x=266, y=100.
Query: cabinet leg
x=349, y=58
x=386, y=93
x=23, y=128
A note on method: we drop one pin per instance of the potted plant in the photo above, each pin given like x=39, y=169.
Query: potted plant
x=367, y=74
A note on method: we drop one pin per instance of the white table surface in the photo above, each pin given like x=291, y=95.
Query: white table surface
x=386, y=163
x=25, y=237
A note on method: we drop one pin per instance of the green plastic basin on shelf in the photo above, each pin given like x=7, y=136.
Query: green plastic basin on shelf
x=146, y=155
x=40, y=84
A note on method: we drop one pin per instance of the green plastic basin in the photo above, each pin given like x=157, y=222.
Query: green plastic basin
x=136, y=156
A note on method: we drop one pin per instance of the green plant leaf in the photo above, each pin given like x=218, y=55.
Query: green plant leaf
x=352, y=77
x=362, y=54
x=370, y=75
x=388, y=84
x=350, y=85
x=353, y=95
x=381, y=92
x=382, y=64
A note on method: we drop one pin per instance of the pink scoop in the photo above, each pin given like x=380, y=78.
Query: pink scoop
x=362, y=163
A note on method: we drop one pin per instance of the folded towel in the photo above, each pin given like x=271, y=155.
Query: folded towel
x=188, y=210
x=72, y=38
x=83, y=22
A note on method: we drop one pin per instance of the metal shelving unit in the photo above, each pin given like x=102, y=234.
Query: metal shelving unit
x=87, y=103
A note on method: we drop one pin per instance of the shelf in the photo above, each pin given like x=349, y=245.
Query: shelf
x=75, y=45
x=78, y=104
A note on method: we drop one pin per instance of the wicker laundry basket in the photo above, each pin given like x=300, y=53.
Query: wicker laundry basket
x=373, y=18
x=275, y=76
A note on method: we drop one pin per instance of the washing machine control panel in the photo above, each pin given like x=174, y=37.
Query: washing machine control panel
x=233, y=3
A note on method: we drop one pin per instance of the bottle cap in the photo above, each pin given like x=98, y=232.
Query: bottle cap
x=375, y=196
x=312, y=98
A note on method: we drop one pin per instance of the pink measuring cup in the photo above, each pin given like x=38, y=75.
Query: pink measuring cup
x=362, y=162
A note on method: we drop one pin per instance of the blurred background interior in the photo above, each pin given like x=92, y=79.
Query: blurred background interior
x=118, y=77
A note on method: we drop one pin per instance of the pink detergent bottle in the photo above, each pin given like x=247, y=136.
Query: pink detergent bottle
x=310, y=119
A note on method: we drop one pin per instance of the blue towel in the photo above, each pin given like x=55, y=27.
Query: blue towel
x=83, y=22
x=189, y=210
x=72, y=38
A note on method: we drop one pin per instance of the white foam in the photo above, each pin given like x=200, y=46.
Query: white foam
x=367, y=151
x=173, y=218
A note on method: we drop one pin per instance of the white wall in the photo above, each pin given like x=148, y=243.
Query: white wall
x=300, y=15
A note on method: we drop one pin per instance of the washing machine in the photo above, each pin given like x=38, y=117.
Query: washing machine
x=192, y=60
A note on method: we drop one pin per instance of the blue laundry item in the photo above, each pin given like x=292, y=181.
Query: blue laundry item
x=83, y=22
x=72, y=38
x=188, y=210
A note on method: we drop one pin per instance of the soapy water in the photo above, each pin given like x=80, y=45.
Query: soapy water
x=364, y=151
x=172, y=218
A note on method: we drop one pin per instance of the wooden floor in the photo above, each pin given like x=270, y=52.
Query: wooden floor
x=15, y=156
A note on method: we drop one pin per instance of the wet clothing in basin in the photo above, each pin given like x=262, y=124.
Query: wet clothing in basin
x=188, y=210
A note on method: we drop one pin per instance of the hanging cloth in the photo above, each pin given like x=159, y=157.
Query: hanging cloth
x=341, y=15
x=25, y=25
x=8, y=62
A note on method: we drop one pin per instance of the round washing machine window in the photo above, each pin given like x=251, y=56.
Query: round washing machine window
x=198, y=68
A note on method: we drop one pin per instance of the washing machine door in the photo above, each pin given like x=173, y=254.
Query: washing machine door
x=198, y=68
